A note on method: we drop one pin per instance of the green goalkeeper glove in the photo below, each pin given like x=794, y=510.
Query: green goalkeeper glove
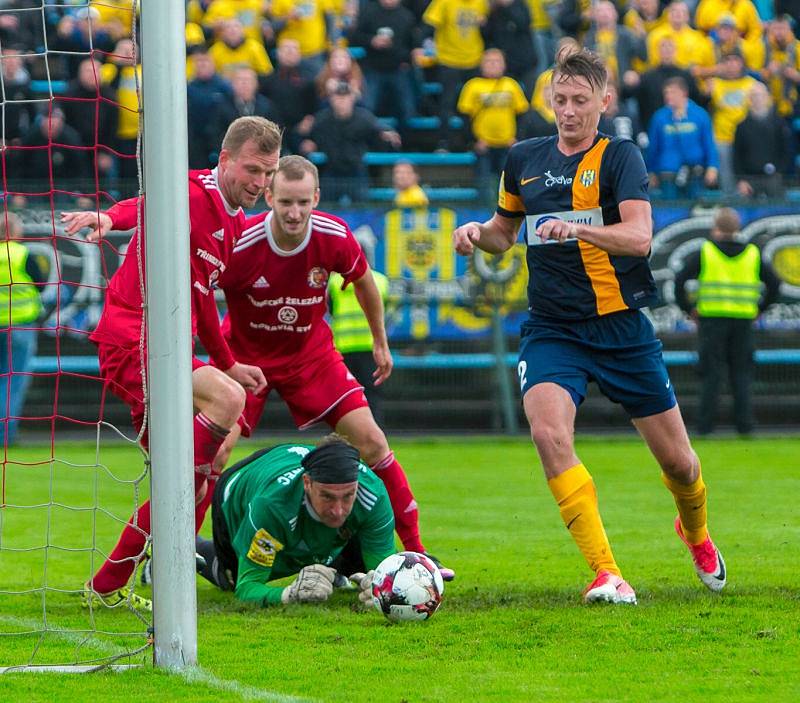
x=313, y=584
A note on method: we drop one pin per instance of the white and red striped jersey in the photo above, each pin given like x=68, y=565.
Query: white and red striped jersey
x=215, y=226
x=277, y=299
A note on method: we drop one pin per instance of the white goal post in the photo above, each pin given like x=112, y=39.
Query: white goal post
x=169, y=332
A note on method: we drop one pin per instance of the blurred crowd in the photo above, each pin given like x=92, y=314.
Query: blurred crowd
x=707, y=89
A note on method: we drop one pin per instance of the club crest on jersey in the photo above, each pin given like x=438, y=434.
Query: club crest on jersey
x=287, y=315
x=318, y=277
x=587, y=177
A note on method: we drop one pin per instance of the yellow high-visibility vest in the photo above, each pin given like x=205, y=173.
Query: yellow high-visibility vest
x=19, y=298
x=730, y=286
x=351, y=331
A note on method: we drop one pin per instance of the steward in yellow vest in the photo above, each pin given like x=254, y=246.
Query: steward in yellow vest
x=20, y=307
x=352, y=336
x=734, y=287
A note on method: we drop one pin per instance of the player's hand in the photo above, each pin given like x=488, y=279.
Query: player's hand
x=98, y=223
x=556, y=230
x=363, y=582
x=466, y=237
x=250, y=377
x=313, y=584
x=383, y=363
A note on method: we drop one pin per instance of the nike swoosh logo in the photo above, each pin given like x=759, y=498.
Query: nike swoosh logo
x=569, y=524
x=525, y=181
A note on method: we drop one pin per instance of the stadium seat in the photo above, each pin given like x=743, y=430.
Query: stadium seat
x=58, y=87
x=383, y=158
x=357, y=52
x=455, y=122
x=431, y=88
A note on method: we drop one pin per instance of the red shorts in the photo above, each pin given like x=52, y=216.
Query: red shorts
x=320, y=391
x=121, y=370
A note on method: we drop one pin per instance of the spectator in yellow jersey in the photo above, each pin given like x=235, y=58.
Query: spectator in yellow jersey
x=458, y=46
x=748, y=23
x=782, y=64
x=693, y=48
x=492, y=102
x=407, y=190
x=642, y=17
x=251, y=13
x=729, y=105
x=116, y=16
x=540, y=120
x=233, y=50
x=305, y=21
x=123, y=73
x=726, y=39
x=616, y=44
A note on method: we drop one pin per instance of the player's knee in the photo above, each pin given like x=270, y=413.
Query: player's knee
x=551, y=438
x=681, y=465
x=230, y=401
x=372, y=445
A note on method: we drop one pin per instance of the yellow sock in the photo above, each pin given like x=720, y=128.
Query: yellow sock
x=691, y=502
x=577, y=500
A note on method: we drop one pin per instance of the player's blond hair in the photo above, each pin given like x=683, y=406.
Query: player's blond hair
x=265, y=133
x=294, y=168
x=581, y=64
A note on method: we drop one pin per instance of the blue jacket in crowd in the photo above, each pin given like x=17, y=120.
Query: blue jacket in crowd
x=687, y=141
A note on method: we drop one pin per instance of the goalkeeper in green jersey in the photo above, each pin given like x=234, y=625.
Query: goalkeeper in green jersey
x=293, y=509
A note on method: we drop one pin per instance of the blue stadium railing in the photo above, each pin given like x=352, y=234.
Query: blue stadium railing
x=88, y=364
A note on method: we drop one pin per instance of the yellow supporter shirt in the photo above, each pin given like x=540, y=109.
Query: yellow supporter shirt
x=729, y=106
x=693, y=48
x=633, y=21
x=709, y=13
x=309, y=29
x=538, y=102
x=457, y=31
x=123, y=79
x=250, y=53
x=249, y=12
x=783, y=91
x=116, y=12
x=493, y=105
x=540, y=19
x=411, y=197
x=607, y=48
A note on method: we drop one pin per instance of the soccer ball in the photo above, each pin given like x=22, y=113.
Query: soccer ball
x=407, y=586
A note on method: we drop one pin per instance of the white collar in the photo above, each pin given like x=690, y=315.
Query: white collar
x=274, y=245
x=228, y=207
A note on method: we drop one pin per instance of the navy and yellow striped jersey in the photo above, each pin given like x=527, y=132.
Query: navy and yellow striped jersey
x=574, y=279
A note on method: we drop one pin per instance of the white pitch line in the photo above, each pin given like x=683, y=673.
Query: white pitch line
x=192, y=675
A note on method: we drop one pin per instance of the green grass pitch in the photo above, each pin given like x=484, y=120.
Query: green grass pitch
x=511, y=627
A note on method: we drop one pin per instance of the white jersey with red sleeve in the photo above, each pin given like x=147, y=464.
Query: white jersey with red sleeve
x=215, y=226
x=277, y=299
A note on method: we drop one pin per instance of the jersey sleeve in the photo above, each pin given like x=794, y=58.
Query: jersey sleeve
x=626, y=171
x=376, y=535
x=205, y=273
x=509, y=202
x=257, y=543
x=352, y=263
x=123, y=214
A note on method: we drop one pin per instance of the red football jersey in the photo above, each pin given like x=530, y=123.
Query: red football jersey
x=215, y=226
x=277, y=299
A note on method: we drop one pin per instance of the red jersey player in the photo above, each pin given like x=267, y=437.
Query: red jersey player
x=276, y=289
x=247, y=161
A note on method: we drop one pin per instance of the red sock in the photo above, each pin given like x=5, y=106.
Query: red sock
x=406, y=515
x=208, y=438
x=117, y=569
x=201, y=508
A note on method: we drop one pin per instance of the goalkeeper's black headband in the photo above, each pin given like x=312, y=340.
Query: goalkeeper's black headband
x=332, y=463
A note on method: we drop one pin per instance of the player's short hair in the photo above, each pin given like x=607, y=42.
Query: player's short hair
x=581, y=64
x=727, y=220
x=294, y=168
x=265, y=133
